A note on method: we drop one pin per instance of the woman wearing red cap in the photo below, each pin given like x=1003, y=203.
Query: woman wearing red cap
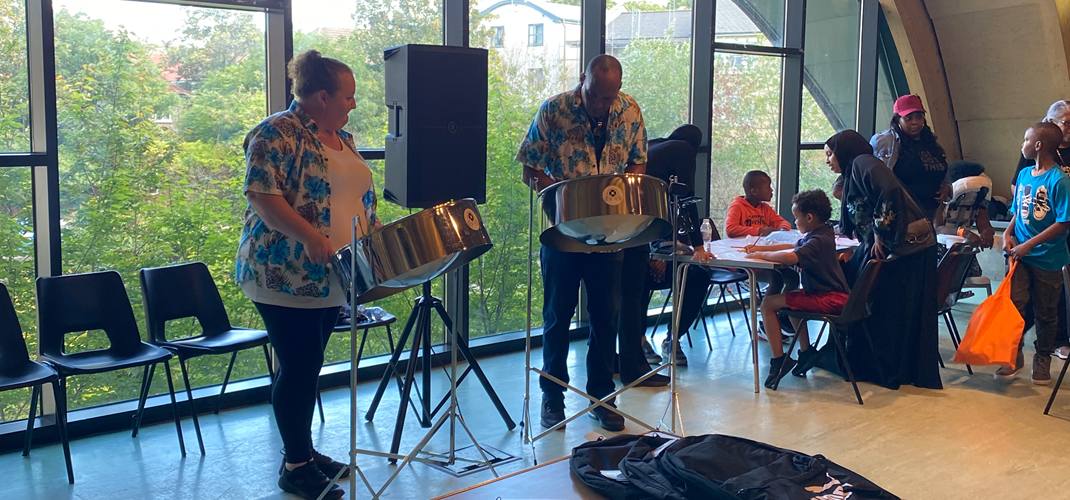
x=910, y=149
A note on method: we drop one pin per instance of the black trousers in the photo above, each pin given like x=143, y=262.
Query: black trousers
x=298, y=337
x=562, y=273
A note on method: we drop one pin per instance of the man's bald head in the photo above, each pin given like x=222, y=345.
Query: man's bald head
x=603, y=63
x=600, y=85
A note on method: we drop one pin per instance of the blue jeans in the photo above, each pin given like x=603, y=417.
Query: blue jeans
x=562, y=273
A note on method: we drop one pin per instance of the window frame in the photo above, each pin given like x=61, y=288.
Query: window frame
x=535, y=35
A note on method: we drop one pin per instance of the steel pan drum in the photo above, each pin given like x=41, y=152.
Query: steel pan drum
x=603, y=213
x=413, y=250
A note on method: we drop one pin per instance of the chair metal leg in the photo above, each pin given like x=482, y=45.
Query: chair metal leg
x=192, y=409
x=226, y=378
x=271, y=371
x=872, y=348
x=59, y=387
x=958, y=337
x=820, y=332
x=657, y=321
x=728, y=312
x=319, y=405
x=846, y=362
x=146, y=382
x=34, y=394
x=1058, y=383
x=742, y=304
x=174, y=405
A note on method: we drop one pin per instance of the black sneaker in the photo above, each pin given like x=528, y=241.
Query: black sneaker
x=807, y=360
x=778, y=368
x=655, y=380
x=328, y=466
x=307, y=481
x=553, y=412
x=609, y=420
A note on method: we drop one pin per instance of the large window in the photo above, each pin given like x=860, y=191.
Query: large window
x=154, y=101
x=654, y=48
x=737, y=18
x=746, y=125
x=830, y=82
x=356, y=32
x=520, y=79
x=17, y=270
x=14, y=88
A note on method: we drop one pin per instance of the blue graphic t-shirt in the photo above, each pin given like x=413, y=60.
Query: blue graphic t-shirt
x=1039, y=202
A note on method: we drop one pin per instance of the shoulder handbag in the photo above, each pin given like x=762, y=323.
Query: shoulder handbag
x=919, y=236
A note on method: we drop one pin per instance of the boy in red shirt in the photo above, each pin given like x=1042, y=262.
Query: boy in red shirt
x=750, y=214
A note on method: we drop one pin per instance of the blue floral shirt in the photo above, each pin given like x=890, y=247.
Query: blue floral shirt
x=561, y=143
x=284, y=157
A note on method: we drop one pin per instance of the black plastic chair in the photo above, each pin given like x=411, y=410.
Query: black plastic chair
x=187, y=291
x=858, y=308
x=950, y=276
x=18, y=371
x=667, y=286
x=1062, y=373
x=97, y=301
x=387, y=320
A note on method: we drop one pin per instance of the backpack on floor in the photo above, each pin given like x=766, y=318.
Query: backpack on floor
x=713, y=467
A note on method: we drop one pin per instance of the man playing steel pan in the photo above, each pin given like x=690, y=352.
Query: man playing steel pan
x=591, y=130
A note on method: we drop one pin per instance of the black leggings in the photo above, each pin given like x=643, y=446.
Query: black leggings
x=298, y=337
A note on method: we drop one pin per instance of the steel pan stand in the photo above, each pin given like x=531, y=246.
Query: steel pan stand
x=421, y=317
x=527, y=436
x=421, y=309
x=679, y=282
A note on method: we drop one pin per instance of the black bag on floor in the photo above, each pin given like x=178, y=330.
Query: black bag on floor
x=714, y=467
x=597, y=464
x=749, y=470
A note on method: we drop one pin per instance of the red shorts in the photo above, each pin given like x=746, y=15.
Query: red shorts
x=821, y=302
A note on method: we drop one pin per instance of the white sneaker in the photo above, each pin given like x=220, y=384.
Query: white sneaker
x=1062, y=352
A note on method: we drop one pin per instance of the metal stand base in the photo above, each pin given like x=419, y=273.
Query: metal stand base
x=422, y=309
x=420, y=319
x=452, y=414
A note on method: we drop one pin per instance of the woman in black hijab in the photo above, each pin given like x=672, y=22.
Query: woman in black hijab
x=878, y=211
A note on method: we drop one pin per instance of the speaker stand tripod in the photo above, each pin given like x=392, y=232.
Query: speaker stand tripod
x=420, y=320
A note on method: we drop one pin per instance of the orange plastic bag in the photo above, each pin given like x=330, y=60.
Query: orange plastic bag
x=994, y=331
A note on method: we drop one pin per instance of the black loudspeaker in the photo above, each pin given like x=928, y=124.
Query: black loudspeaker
x=436, y=143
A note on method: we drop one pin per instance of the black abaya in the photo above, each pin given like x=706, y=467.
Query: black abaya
x=903, y=323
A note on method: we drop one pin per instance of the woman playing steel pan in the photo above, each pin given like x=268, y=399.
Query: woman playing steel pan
x=302, y=171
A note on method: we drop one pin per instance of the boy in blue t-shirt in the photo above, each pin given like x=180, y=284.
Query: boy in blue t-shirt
x=1036, y=239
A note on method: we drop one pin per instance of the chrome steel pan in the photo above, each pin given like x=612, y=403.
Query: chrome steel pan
x=413, y=249
x=603, y=213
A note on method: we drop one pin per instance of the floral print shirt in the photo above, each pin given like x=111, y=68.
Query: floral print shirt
x=561, y=141
x=284, y=157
